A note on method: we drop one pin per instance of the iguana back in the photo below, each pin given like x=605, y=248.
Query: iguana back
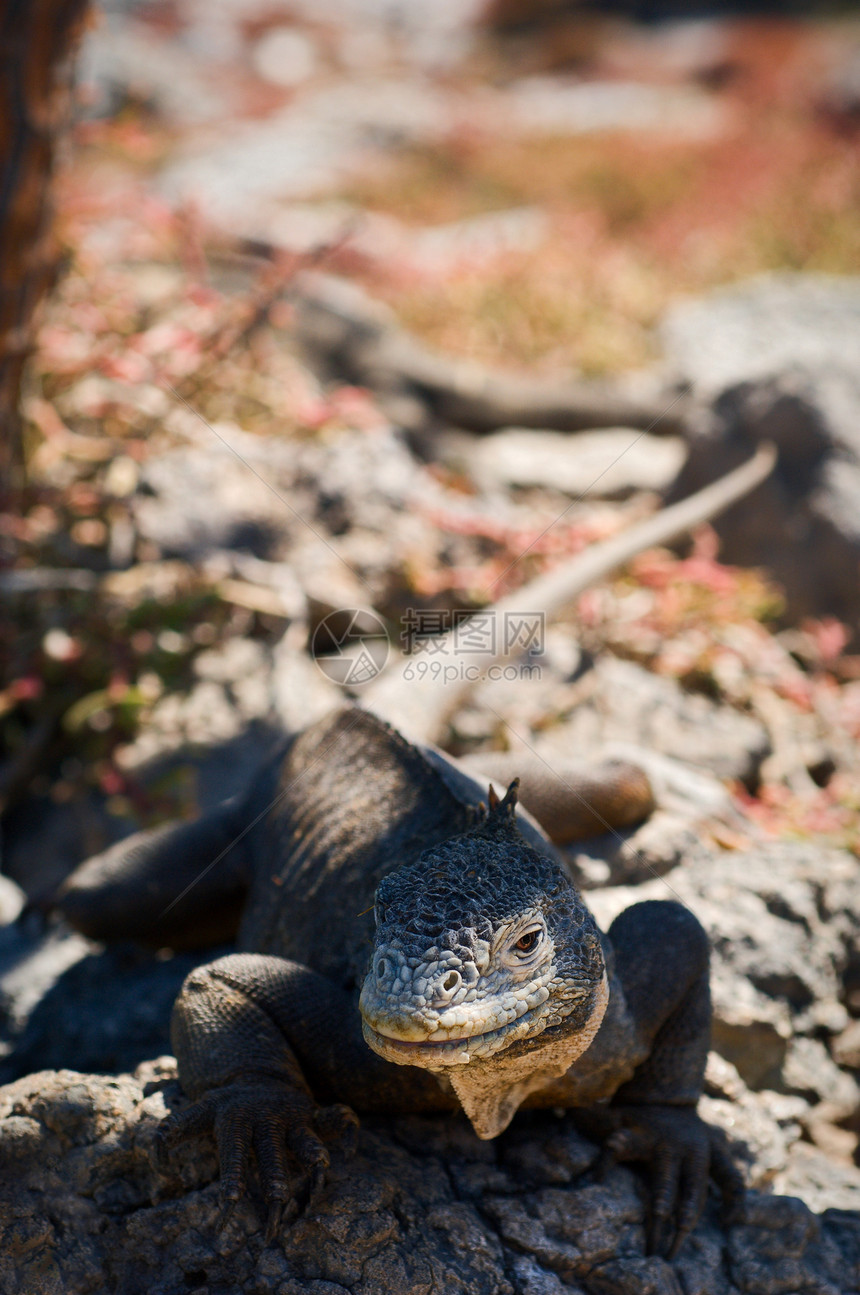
x=353, y=800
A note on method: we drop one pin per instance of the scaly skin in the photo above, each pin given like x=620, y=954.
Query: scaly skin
x=485, y=981
x=483, y=946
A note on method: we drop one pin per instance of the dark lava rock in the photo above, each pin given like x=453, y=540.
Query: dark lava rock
x=423, y=1206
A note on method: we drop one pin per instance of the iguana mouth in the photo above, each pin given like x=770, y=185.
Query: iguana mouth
x=446, y=1051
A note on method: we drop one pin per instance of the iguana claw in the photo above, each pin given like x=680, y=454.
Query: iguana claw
x=684, y=1154
x=280, y=1126
x=274, y=1221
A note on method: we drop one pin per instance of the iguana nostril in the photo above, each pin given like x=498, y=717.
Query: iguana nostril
x=381, y=968
x=451, y=981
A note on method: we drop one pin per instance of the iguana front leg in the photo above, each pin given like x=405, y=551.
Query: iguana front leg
x=662, y=959
x=257, y=1039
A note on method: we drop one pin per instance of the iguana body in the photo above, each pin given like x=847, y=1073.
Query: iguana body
x=484, y=980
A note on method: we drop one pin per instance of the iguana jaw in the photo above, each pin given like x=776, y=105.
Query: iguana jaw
x=411, y=1039
x=491, y=1086
x=410, y=1018
x=441, y=1050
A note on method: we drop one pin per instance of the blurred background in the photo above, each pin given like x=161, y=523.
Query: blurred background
x=354, y=304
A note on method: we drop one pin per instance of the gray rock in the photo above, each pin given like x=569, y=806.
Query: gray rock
x=215, y=734
x=607, y=463
x=555, y=106
x=122, y=58
x=763, y=1129
x=810, y=1071
x=627, y=858
x=783, y=926
x=690, y=805
x=191, y=501
x=776, y=359
x=95, y=1009
x=766, y=325
x=768, y=1131
x=532, y=1279
x=822, y=1183
x=846, y=1048
x=12, y=900
x=305, y=147
x=268, y=497
x=231, y=692
x=30, y=964
x=300, y=692
x=785, y=1230
x=430, y=249
x=621, y=712
x=285, y=56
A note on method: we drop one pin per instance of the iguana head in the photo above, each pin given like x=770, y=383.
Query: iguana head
x=487, y=967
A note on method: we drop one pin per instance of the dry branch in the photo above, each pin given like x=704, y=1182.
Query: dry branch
x=353, y=337
x=420, y=707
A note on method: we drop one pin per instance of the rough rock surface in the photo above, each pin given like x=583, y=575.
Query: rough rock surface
x=622, y=702
x=304, y=147
x=783, y=928
x=690, y=805
x=785, y=935
x=776, y=359
x=423, y=1206
x=763, y=326
x=231, y=489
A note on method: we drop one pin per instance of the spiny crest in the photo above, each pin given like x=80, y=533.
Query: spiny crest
x=501, y=819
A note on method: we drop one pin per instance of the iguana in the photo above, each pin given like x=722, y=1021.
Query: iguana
x=405, y=950
x=386, y=908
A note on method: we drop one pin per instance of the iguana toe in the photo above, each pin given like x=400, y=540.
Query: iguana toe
x=728, y=1178
x=684, y=1154
x=277, y=1126
x=274, y=1221
x=181, y=1125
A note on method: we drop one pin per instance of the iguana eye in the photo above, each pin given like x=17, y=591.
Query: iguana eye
x=527, y=942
